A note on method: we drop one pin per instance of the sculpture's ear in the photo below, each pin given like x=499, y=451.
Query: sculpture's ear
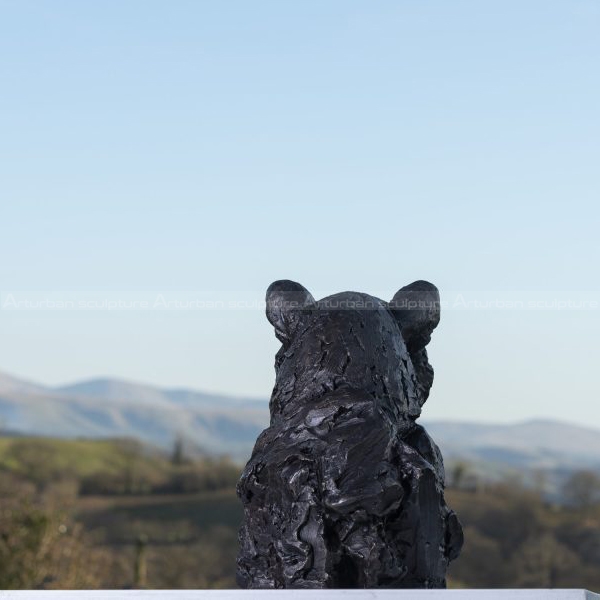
x=287, y=302
x=417, y=309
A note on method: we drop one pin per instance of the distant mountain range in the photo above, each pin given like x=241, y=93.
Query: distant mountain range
x=540, y=453
x=108, y=408
x=219, y=424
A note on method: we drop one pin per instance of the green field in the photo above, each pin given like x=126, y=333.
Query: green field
x=187, y=540
x=76, y=458
x=168, y=522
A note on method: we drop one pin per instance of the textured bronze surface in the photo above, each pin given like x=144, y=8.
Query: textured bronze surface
x=344, y=489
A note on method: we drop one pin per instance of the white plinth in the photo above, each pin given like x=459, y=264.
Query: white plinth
x=302, y=595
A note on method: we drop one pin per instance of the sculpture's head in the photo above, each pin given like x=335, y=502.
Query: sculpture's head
x=353, y=340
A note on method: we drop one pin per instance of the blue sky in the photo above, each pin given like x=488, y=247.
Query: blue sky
x=211, y=147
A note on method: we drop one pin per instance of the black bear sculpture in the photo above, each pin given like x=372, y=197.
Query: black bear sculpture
x=344, y=489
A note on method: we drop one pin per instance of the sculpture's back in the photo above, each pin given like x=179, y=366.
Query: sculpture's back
x=344, y=489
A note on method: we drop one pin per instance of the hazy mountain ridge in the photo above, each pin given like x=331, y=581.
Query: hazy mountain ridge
x=219, y=424
x=537, y=443
x=126, y=391
x=102, y=408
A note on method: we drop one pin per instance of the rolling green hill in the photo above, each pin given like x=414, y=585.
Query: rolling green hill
x=115, y=514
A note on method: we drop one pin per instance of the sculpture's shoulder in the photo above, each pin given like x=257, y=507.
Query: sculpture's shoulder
x=339, y=423
x=421, y=441
x=341, y=411
x=346, y=407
